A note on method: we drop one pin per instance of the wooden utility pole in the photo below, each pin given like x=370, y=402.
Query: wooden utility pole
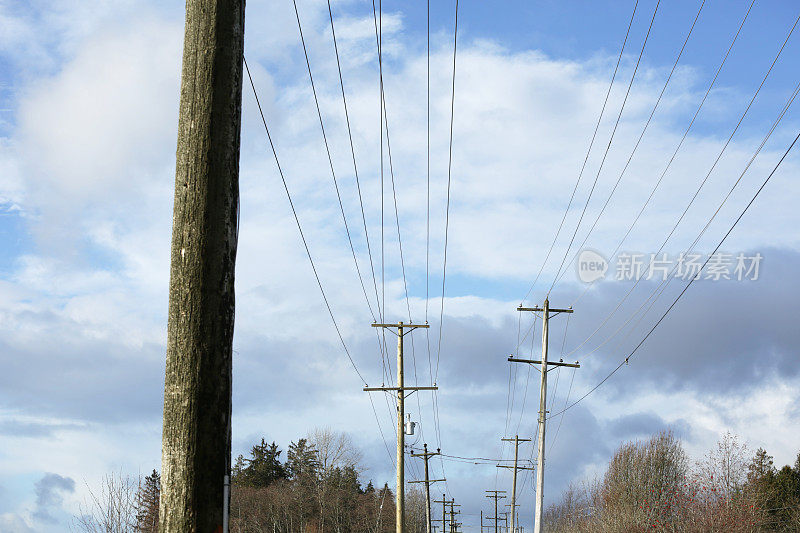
x=512, y=528
x=495, y=495
x=452, y=503
x=400, y=330
x=425, y=456
x=516, y=440
x=453, y=524
x=196, y=445
x=546, y=312
x=444, y=503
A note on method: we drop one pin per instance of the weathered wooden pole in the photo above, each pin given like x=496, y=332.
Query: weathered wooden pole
x=400, y=497
x=197, y=390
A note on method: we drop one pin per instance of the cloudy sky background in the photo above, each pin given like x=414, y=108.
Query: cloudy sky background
x=87, y=138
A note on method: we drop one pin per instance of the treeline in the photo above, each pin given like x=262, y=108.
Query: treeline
x=121, y=504
x=317, y=488
x=653, y=486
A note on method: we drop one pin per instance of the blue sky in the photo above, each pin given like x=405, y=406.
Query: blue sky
x=88, y=122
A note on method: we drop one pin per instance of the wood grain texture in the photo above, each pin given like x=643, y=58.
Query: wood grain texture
x=197, y=390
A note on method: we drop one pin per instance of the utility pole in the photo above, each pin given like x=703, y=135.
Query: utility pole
x=495, y=495
x=546, y=312
x=453, y=524
x=445, y=502
x=425, y=456
x=196, y=446
x=516, y=440
x=513, y=528
x=400, y=330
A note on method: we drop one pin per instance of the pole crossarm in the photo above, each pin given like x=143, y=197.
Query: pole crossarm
x=576, y=364
x=515, y=439
x=549, y=310
x=426, y=481
x=517, y=467
x=373, y=389
x=401, y=327
x=425, y=454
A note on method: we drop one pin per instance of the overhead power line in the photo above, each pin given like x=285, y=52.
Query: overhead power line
x=588, y=151
x=680, y=143
x=330, y=158
x=608, y=147
x=688, y=284
x=449, y=180
x=703, y=181
x=638, y=142
x=300, y=228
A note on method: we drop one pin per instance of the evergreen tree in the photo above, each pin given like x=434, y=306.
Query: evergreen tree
x=262, y=469
x=147, y=500
x=301, y=460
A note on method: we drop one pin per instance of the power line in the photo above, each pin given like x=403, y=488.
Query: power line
x=655, y=294
x=608, y=147
x=705, y=179
x=330, y=162
x=586, y=159
x=680, y=143
x=449, y=176
x=330, y=158
x=638, y=141
x=299, y=227
x=689, y=284
x=308, y=251
x=355, y=166
x=447, y=225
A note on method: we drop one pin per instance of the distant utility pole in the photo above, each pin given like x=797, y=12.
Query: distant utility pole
x=425, y=456
x=453, y=524
x=445, y=502
x=495, y=495
x=196, y=446
x=400, y=505
x=512, y=529
x=516, y=440
x=546, y=311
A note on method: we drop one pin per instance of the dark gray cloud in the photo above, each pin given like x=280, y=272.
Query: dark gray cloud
x=49, y=496
x=717, y=334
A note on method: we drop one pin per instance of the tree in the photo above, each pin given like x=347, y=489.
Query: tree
x=111, y=508
x=337, y=480
x=334, y=449
x=302, y=462
x=262, y=469
x=724, y=469
x=760, y=467
x=147, y=498
x=642, y=483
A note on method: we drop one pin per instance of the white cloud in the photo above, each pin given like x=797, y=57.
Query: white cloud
x=90, y=165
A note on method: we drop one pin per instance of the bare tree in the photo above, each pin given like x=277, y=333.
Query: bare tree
x=724, y=469
x=111, y=508
x=335, y=449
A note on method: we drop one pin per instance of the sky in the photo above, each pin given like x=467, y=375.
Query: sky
x=88, y=121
